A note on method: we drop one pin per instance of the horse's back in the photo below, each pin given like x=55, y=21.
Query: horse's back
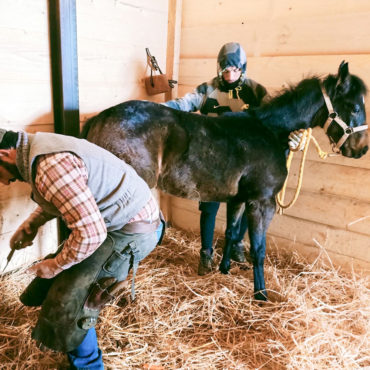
x=133, y=132
x=190, y=155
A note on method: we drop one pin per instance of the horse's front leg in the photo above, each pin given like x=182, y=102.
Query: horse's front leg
x=260, y=214
x=234, y=211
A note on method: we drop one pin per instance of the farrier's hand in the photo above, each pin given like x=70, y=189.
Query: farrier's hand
x=46, y=269
x=297, y=140
x=24, y=235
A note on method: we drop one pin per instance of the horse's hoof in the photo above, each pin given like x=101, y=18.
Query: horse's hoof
x=224, y=267
x=260, y=295
x=238, y=252
x=206, y=265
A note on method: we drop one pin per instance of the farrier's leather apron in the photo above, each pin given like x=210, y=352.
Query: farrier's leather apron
x=63, y=321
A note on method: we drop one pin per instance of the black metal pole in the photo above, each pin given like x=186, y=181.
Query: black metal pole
x=64, y=66
x=64, y=73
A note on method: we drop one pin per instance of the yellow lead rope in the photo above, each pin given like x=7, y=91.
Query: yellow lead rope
x=323, y=155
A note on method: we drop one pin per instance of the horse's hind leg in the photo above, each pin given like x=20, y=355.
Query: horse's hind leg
x=260, y=214
x=238, y=249
x=234, y=212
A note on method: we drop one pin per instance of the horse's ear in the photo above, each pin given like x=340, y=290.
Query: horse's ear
x=343, y=82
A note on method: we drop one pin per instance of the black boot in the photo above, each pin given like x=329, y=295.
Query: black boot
x=206, y=264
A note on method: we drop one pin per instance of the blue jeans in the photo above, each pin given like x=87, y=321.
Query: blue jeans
x=208, y=220
x=88, y=355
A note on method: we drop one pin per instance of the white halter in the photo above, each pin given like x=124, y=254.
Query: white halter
x=333, y=116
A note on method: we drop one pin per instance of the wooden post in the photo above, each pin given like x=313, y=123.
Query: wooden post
x=173, y=44
x=172, y=70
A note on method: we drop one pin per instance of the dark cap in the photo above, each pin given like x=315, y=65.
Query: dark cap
x=2, y=133
x=8, y=139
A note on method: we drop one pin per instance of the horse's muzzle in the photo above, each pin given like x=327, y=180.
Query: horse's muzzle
x=356, y=145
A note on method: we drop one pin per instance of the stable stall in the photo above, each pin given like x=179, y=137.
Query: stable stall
x=64, y=61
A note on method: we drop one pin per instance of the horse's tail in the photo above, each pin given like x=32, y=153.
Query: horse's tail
x=86, y=128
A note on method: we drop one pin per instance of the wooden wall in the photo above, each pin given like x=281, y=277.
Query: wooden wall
x=111, y=40
x=285, y=41
x=112, y=37
x=25, y=104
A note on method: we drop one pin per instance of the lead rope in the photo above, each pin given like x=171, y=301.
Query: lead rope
x=323, y=155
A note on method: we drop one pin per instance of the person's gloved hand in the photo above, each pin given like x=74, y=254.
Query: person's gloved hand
x=297, y=140
x=24, y=235
x=103, y=292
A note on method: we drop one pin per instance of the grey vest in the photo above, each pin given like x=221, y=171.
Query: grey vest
x=118, y=190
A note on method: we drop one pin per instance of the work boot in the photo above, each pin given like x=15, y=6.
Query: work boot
x=238, y=252
x=206, y=264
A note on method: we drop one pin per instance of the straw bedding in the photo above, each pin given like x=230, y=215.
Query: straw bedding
x=317, y=318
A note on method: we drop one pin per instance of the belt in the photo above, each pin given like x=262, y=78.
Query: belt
x=141, y=227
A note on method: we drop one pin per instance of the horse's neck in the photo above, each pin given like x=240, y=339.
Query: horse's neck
x=293, y=111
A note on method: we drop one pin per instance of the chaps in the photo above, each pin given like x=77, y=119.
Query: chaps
x=64, y=321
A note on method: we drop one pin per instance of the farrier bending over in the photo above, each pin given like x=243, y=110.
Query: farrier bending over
x=114, y=223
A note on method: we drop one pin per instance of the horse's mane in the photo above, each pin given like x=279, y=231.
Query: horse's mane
x=293, y=93
x=297, y=98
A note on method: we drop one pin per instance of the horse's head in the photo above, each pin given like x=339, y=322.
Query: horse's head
x=346, y=125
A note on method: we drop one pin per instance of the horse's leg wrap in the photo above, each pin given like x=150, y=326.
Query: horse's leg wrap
x=72, y=305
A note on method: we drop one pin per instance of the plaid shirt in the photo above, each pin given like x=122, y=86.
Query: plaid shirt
x=61, y=179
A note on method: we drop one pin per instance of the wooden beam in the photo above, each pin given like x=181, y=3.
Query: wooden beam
x=173, y=44
x=64, y=66
x=172, y=71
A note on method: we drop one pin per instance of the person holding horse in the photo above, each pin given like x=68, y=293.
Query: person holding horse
x=114, y=223
x=229, y=91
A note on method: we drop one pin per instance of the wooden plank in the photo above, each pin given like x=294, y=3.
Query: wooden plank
x=25, y=56
x=44, y=243
x=314, y=253
x=118, y=8
x=16, y=211
x=15, y=190
x=319, y=134
x=340, y=212
x=327, y=178
x=172, y=70
x=195, y=13
x=335, y=240
x=93, y=101
x=278, y=32
x=277, y=72
x=33, y=104
x=173, y=44
x=113, y=22
x=111, y=60
x=29, y=16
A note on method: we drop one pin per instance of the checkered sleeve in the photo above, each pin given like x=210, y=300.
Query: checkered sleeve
x=61, y=179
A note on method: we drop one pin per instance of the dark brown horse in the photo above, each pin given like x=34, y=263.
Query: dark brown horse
x=239, y=159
